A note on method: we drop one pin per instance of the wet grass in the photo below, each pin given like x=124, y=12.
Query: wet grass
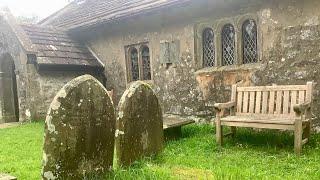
x=251, y=155
x=21, y=150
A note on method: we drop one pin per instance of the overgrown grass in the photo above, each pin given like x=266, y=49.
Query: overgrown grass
x=21, y=150
x=251, y=155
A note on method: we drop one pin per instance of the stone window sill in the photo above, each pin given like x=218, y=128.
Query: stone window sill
x=232, y=68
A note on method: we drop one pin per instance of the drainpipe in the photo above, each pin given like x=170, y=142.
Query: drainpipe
x=1, y=98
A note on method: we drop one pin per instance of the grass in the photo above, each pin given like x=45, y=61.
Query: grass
x=251, y=155
x=21, y=150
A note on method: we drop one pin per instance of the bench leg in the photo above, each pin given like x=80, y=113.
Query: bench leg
x=219, y=133
x=298, y=137
x=233, y=131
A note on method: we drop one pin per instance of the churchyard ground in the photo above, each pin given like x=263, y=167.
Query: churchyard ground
x=251, y=155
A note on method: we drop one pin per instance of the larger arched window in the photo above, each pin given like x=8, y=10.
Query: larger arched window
x=145, y=56
x=249, y=42
x=134, y=59
x=228, y=45
x=208, y=48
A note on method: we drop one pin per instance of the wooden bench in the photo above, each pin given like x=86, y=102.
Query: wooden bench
x=269, y=107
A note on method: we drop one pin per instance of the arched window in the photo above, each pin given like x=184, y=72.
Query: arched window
x=134, y=64
x=228, y=45
x=249, y=42
x=146, y=70
x=208, y=48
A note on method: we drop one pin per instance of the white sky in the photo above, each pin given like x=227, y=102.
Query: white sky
x=41, y=8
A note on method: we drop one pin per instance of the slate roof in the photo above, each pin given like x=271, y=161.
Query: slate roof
x=55, y=47
x=86, y=13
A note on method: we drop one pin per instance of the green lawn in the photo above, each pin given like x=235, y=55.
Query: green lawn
x=251, y=155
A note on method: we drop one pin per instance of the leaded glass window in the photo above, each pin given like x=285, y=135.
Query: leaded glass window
x=146, y=70
x=228, y=45
x=134, y=64
x=208, y=48
x=249, y=40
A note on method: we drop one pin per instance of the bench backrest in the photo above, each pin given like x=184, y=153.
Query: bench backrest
x=273, y=100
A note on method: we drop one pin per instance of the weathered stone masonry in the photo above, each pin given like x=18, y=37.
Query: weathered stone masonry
x=11, y=53
x=288, y=43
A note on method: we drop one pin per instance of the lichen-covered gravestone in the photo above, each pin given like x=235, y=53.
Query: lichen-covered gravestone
x=79, y=131
x=139, y=124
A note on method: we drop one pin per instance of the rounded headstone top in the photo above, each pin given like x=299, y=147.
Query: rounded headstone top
x=138, y=85
x=67, y=88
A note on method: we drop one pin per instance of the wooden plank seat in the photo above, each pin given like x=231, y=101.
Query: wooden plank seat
x=172, y=125
x=263, y=119
x=268, y=107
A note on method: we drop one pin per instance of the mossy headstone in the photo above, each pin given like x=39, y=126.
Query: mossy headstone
x=79, y=131
x=139, y=124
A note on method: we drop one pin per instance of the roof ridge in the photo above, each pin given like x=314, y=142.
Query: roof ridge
x=41, y=22
x=92, y=12
x=114, y=11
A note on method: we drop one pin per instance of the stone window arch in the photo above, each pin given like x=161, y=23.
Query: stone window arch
x=145, y=58
x=134, y=62
x=208, y=45
x=228, y=45
x=249, y=41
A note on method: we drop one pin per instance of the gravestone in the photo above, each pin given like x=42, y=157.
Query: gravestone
x=79, y=131
x=139, y=124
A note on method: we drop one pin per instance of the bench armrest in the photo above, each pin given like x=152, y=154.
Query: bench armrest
x=301, y=108
x=221, y=106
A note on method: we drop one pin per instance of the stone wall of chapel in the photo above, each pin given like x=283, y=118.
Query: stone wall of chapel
x=288, y=47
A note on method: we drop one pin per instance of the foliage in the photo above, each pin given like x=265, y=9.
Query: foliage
x=251, y=155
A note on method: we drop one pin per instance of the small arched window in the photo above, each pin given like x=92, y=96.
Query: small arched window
x=249, y=42
x=133, y=53
x=146, y=70
x=208, y=48
x=228, y=45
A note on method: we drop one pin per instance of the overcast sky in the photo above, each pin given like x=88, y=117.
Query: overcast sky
x=41, y=8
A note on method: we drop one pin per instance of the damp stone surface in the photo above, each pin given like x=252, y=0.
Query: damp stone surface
x=79, y=131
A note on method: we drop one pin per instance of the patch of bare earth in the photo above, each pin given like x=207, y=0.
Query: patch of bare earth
x=191, y=173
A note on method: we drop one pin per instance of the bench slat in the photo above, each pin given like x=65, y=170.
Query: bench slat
x=239, y=102
x=245, y=102
x=274, y=88
x=279, y=102
x=264, y=102
x=293, y=101
x=258, y=102
x=259, y=125
x=286, y=102
x=251, y=103
x=271, y=102
x=251, y=118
